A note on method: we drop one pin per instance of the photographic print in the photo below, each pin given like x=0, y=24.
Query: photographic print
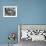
x=9, y=11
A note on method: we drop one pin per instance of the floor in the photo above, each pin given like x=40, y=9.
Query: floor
x=7, y=45
x=30, y=43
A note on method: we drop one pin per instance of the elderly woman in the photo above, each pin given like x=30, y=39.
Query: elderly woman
x=10, y=11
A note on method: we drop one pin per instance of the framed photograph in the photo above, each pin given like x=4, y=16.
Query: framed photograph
x=9, y=11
